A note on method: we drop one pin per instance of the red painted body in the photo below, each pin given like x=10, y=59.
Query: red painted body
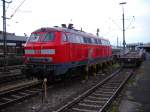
x=67, y=46
x=66, y=51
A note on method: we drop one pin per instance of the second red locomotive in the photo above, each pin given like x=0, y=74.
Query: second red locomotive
x=51, y=52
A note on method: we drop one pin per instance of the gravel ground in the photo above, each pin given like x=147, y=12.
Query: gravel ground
x=58, y=95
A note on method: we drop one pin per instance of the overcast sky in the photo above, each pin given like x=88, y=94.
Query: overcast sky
x=88, y=14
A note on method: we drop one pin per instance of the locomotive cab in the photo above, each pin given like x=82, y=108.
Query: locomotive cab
x=45, y=53
x=40, y=47
x=40, y=50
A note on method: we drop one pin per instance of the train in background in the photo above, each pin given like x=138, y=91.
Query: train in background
x=52, y=52
x=132, y=58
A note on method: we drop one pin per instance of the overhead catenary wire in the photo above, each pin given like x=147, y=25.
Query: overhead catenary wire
x=8, y=2
x=17, y=8
x=8, y=6
x=116, y=24
x=133, y=19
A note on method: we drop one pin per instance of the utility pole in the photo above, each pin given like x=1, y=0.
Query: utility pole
x=124, y=42
x=117, y=42
x=97, y=32
x=4, y=35
x=123, y=25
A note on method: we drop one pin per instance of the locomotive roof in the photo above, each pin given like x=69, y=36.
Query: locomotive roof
x=79, y=32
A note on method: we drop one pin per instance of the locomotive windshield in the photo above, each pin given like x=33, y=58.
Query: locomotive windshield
x=42, y=37
x=34, y=37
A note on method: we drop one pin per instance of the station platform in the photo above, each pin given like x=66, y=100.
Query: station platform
x=137, y=96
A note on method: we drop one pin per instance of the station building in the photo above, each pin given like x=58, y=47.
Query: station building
x=133, y=46
x=146, y=47
x=14, y=43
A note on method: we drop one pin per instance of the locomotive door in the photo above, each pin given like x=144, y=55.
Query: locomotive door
x=73, y=51
x=65, y=47
x=69, y=47
x=73, y=46
x=90, y=55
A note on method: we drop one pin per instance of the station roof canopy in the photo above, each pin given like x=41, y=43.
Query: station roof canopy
x=145, y=46
x=134, y=44
x=13, y=37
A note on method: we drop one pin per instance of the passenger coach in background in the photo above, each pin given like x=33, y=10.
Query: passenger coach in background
x=51, y=52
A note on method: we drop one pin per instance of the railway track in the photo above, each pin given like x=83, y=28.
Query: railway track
x=11, y=77
x=100, y=96
x=13, y=73
x=19, y=93
x=12, y=67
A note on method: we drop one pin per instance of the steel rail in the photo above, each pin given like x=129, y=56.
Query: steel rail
x=116, y=92
x=103, y=94
x=10, y=77
x=13, y=67
x=19, y=93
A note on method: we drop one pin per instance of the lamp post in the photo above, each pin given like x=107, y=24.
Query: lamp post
x=123, y=24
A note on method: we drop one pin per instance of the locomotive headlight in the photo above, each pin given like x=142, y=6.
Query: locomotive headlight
x=48, y=51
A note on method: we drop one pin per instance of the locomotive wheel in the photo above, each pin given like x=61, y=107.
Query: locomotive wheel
x=99, y=69
x=94, y=70
x=85, y=72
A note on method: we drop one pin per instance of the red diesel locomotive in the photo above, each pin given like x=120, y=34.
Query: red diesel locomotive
x=51, y=52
